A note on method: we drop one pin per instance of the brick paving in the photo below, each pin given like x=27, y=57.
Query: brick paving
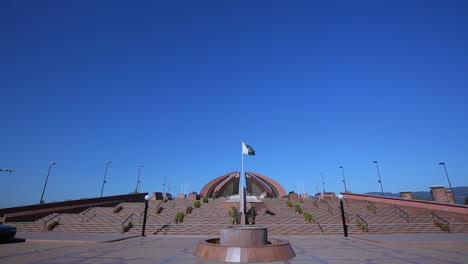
x=404, y=248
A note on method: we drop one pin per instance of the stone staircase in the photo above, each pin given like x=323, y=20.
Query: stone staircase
x=276, y=216
x=206, y=220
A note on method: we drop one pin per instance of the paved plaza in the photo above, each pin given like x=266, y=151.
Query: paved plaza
x=54, y=248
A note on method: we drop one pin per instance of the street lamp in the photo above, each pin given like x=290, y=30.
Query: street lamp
x=345, y=227
x=105, y=173
x=164, y=184
x=344, y=180
x=380, y=180
x=45, y=184
x=8, y=170
x=450, y=185
x=323, y=183
x=137, y=189
x=147, y=197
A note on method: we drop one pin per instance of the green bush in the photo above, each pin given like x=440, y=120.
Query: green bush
x=233, y=215
x=159, y=210
x=362, y=226
x=205, y=200
x=52, y=225
x=442, y=226
x=127, y=227
x=309, y=217
x=118, y=209
x=253, y=211
x=251, y=220
x=289, y=204
x=298, y=209
x=197, y=204
x=179, y=217
x=371, y=209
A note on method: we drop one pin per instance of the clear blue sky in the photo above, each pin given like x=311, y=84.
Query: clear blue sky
x=177, y=85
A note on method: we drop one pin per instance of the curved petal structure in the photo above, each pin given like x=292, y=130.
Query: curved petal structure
x=257, y=184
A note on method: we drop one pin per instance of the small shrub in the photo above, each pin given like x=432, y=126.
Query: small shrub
x=362, y=226
x=309, y=217
x=188, y=210
x=371, y=209
x=197, y=204
x=289, y=204
x=159, y=210
x=298, y=209
x=52, y=225
x=127, y=227
x=253, y=211
x=233, y=215
x=251, y=220
x=179, y=217
x=442, y=226
x=118, y=209
x=205, y=200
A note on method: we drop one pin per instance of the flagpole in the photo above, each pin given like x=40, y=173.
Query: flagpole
x=241, y=181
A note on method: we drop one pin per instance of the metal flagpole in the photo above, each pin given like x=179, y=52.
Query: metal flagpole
x=241, y=181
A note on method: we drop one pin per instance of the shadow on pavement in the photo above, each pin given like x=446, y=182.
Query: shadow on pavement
x=13, y=240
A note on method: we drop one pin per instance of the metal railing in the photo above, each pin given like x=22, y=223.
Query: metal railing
x=329, y=208
x=315, y=201
x=141, y=215
x=48, y=220
x=345, y=213
x=321, y=229
x=87, y=211
x=447, y=223
x=401, y=213
x=360, y=219
x=371, y=207
x=346, y=201
x=129, y=217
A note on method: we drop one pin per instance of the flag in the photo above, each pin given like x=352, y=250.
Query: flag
x=247, y=150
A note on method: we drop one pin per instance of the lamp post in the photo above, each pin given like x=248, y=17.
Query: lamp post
x=164, y=184
x=345, y=227
x=380, y=180
x=105, y=174
x=323, y=183
x=8, y=170
x=450, y=185
x=137, y=189
x=344, y=180
x=45, y=184
x=144, y=217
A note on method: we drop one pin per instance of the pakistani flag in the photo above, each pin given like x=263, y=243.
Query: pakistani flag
x=247, y=150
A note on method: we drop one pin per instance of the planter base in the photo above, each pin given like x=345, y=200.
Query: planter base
x=244, y=244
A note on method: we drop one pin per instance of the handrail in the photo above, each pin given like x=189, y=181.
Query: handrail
x=129, y=217
x=46, y=221
x=440, y=218
x=371, y=204
x=345, y=213
x=315, y=201
x=321, y=229
x=445, y=228
x=346, y=201
x=329, y=207
x=86, y=211
x=371, y=207
x=159, y=204
x=400, y=212
x=143, y=213
x=358, y=217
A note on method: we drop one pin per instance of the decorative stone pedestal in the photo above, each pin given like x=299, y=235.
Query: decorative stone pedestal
x=406, y=194
x=244, y=244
